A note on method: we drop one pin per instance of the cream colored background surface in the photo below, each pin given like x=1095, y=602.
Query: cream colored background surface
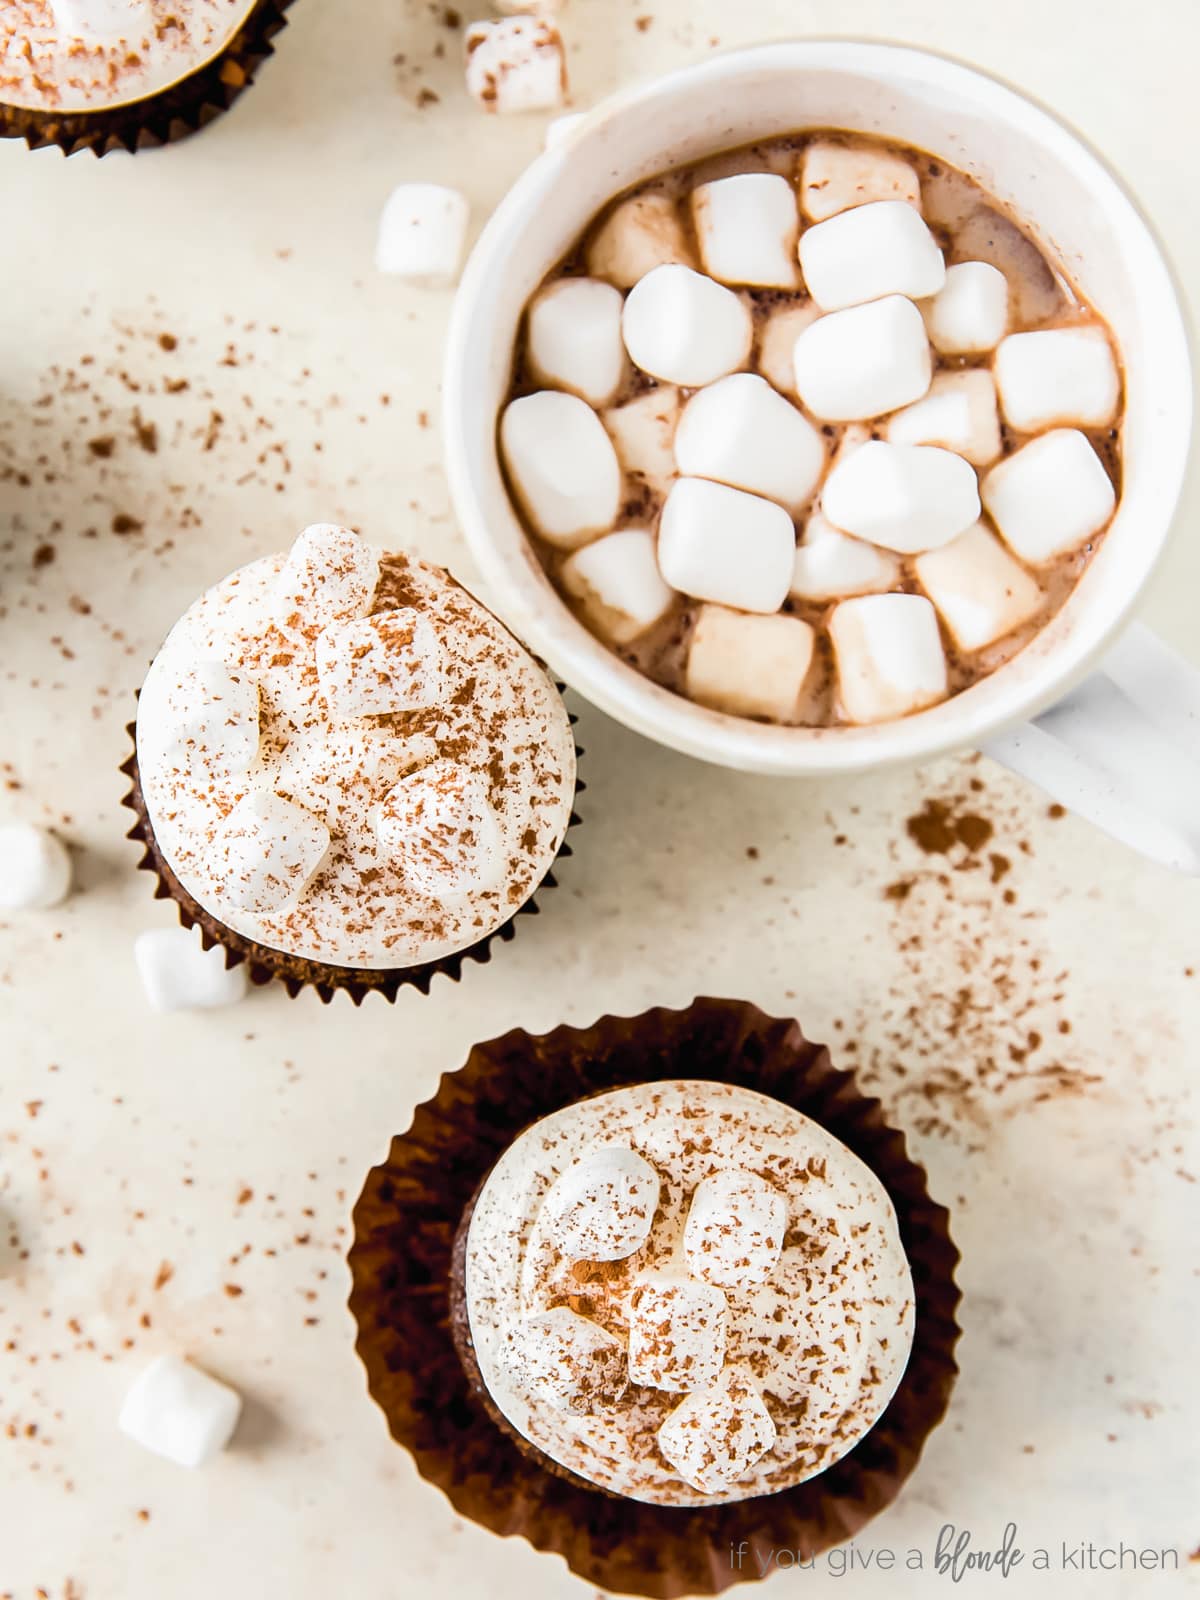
x=231, y=1146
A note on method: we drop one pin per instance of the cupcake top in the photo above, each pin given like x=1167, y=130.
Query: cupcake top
x=91, y=55
x=687, y=1293
x=344, y=756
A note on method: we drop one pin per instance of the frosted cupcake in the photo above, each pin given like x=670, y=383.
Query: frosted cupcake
x=126, y=74
x=347, y=770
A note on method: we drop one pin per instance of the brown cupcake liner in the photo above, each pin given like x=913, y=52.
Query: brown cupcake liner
x=295, y=973
x=162, y=118
x=402, y=1264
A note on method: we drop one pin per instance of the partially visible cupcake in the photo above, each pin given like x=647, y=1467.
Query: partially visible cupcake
x=106, y=75
x=664, y=1295
x=347, y=771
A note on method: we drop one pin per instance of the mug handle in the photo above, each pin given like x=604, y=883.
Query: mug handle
x=1123, y=750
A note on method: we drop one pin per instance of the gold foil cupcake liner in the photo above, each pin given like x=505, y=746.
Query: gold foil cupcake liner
x=402, y=1265
x=295, y=973
x=162, y=118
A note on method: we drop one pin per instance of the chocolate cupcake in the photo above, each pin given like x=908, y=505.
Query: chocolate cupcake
x=106, y=75
x=347, y=771
x=656, y=1290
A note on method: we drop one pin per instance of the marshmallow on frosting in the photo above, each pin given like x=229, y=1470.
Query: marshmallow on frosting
x=602, y=1208
x=735, y=1227
x=713, y=1437
x=573, y=1362
x=267, y=851
x=677, y=1333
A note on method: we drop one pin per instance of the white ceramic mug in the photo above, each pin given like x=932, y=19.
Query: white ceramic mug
x=1122, y=746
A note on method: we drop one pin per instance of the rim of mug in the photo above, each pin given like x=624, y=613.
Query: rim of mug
x=519, y=587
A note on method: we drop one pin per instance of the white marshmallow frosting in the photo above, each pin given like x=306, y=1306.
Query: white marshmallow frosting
x=345, y=757
x=91, y=55
x=763, y=1299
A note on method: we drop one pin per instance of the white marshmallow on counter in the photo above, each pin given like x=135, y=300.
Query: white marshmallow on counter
x=643, y=431
x=516, y=65
x=178, y=974
x=559, y=129
x=443, y=830
x=777, y=343
x=749, y=666
x=980, y=592
x=373, y=666
x=266, y=851
x=331, y=573
x=617, y=581
x=101, y=19
x=747, y=227
x=178, y=1412
x=677, y=1333
x=834, y=177
x=859, y=363
x=574, y=338
x=959, y=413
x=723, y=544
x=602, y=1207
x=735, y=1227
x=715, y=1436
x=830, y=564
x=640, y=234
x=890, y=660
x=35, y=868
x=1057, y=375
x=905, y=497
x=741, y=432
x=879, y=249
x=423, y=234
x=1050, y=497
x=569, y=1361
x=563, y=466
x=681, y=327
x=969, y=313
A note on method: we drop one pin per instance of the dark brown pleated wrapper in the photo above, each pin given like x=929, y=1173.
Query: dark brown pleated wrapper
x=174, y=113
x=401, y=1262
x=295, y=973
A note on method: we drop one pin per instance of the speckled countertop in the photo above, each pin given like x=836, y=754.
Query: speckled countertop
x=196, y=359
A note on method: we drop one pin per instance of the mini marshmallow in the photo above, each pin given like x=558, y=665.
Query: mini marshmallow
x=330, y=575
x=834, y=177
x=959, y=413
x=560, y=129
x=617, y=581
x=101, y=19
x=969, y=313
x=777, y=343
x=890, y=660
x=214, y=720
x=566, y=1360
x=875, y=250
x=441, y=826
x=980, y=592
x=749, y=666
x=180, y=1413
x=574, y=338
x=740, y=432
x=734, y=1231
x=423, y=234
x=722, y=544
x=563, y=466
x=747, y=227
x=516, y=65
x=640, y=234
x=373, y=666
x=677, y=1333
x=683, y=328
x=830, y=564
x=179, y=974
x=859, y=363
x=35, y=868
x=1057, y=375
x=602, y=1208
x=712, y=1438
x=266, y=851
x=905, y=497
x=643, y=431
x=1050, y=497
